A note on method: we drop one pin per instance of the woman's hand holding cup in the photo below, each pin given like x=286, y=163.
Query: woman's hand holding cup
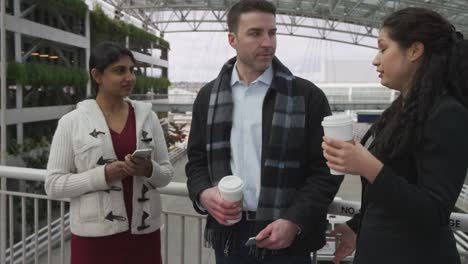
x=338, y=127
x=345, y=155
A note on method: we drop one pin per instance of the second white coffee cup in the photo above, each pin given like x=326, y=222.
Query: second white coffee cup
x=230, y=187
x=338, y=127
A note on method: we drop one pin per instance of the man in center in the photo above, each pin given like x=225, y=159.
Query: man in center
x=258, y=121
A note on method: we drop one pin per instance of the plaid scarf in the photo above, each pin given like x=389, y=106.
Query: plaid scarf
x=281, y=159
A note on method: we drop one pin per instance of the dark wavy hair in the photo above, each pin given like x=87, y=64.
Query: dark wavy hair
x=443, y=70
x=245, y=6
x=103, y=55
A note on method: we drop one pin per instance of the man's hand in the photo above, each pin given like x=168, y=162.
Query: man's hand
x=277, y=235
x=218, y=208
x=138, y=166
x=347, y=242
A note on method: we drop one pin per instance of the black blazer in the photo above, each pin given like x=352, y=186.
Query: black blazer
x=405, y=212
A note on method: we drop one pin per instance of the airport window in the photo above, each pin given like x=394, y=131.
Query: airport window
x=38, y=130
x=62, y=16
x=11, y=134
x=9, y=7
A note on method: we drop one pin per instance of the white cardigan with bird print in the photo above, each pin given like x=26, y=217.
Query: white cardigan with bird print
x=81, y=146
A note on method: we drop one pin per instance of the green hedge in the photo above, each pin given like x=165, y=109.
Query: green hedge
x=46, y=75
x=144, y=84
x=58, y=76
x=107, y=29
x=72, y=7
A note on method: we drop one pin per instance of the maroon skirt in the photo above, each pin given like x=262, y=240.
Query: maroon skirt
x=122, y=248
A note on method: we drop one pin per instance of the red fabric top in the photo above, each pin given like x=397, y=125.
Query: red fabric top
x=125, y=143
x=122, y=248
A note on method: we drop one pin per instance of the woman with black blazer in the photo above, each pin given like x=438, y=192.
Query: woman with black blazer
x=415, y=157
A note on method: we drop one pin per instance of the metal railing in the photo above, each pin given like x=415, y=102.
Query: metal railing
x=336, y=94
x=463, y=197
x=462, y=202
x=42, y=240
x=56, y=232
x=176, y=154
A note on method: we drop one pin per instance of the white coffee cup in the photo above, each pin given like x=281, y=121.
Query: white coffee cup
x=338, y=127
x=230, y=188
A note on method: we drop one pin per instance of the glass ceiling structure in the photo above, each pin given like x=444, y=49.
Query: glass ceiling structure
x=347, y=21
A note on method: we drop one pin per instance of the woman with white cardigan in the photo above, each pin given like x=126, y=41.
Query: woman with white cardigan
x=115, y=204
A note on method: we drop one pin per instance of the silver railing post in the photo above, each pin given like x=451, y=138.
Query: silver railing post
x=182, y=240
x=3, y=95
x=314, y=257
x=166, y=237
x=200, y=241
x=23, y=228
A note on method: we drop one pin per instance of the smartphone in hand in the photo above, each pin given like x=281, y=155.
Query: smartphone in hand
x=142, y=153
x=251, y=242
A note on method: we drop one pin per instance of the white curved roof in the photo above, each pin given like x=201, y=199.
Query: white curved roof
x=347, y=21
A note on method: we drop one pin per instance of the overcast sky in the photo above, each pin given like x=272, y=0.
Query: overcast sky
x=198, y=57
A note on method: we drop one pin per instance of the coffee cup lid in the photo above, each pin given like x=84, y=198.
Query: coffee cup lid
x=231, y=183
x=337, y=120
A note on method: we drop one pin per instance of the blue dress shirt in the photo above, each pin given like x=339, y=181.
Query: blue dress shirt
x=246, y=133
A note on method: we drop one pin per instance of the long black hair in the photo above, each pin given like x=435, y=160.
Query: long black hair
x=442, y=70
x=103, y=55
